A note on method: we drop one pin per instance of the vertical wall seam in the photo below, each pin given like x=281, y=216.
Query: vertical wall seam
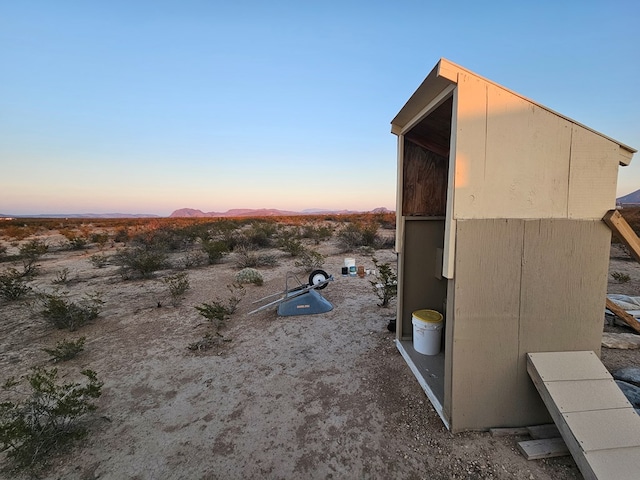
x=569, y=174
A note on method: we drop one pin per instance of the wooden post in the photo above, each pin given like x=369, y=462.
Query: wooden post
x=624, y=232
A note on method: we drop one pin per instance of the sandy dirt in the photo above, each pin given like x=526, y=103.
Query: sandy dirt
x=319, y=396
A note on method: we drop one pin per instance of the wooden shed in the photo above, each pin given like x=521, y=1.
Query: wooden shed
x=499, y=208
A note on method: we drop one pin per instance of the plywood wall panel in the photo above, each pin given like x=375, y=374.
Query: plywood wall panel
x=564, y=285
x=424, y=180
x=485, y=325
x=512, y=157
x=593, y=176
x=419, y=287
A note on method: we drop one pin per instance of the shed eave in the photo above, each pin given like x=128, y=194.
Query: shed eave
x=444, y=74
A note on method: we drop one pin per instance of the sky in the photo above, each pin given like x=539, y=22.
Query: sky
x=143, y=106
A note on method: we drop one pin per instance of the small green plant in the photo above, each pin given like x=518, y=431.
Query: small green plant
x=218, y=311
x=386, y=285
x=65, y=349
x=62, y=276
x=620, y=277
x=249, y=275
x=178, y=284
x=139, y=262
x=99, y=260
x=64, y=313
x=13, y=285
x=310, y=260
x=46, y=418
x=215, y=250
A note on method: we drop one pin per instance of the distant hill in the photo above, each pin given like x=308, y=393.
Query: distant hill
x=265, y=212
x=85, y=215
x=631, y=199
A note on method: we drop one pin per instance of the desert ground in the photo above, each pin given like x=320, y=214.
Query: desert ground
x=315, y=396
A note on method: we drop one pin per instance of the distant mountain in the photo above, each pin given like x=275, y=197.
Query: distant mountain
x=631, y=199
x=265, y=212
x=85, y=215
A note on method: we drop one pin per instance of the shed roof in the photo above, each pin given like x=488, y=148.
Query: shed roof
x=445, y=74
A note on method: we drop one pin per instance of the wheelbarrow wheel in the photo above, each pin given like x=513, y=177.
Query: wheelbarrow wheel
x=318, y=276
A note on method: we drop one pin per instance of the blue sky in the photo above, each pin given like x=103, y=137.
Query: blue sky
x=150, y=106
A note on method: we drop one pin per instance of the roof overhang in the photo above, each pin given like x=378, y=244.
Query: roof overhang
x=440, y=83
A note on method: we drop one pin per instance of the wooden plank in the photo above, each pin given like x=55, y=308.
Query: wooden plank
x=506, y=432
x=538, y=432
x=543, y=448
x=624, y=232
x=594, y=174
x=623, y=315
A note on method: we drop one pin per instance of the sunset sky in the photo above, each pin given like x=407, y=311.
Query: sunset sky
x=150, y=106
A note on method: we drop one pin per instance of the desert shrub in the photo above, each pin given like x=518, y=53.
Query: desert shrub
x=13, y=285
x=3, y=250
x=30, y=253
x=178, y=285
x=64, y=313
x=620, y=277
x=208, y=341
x=99, y=260
x=260, y=234
x=139, y=262
x=46, y=418
x=121, y=235
x=246, y=258
x=65, y=349
x=99, y=239
x=62, y=276
x=218, y=311
x=386, y=285
x=310, y=260
x=192, y=259
x=356, y=235
x=249, y=275
x=292, y=246
x=75, y=242
x=215, y=250
x=317, y=233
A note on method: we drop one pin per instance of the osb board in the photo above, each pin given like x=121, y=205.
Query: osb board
x=419, y=287
x=485, y=329
x=424, y=181
x=521, y=168
x=593, y=176
x=564, y=281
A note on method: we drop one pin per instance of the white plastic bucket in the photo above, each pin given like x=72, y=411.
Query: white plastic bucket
x=427, y=331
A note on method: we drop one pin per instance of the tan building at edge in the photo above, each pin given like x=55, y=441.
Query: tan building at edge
x=499, y=210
